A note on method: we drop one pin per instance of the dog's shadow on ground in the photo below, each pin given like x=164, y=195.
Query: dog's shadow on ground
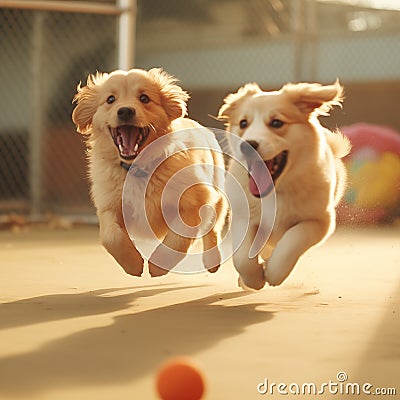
x=133, y=345
x=56, y=307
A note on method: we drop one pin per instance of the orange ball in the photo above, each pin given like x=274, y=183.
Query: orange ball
x=179, y=379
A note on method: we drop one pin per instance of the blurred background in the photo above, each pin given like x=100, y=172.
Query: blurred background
x=213, y=47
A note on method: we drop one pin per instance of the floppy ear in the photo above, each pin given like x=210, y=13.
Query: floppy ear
x=233, y=100
x=174, y=98
x=313, y=98
x=86, y=102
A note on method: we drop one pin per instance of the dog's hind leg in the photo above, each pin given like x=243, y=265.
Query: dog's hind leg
x=169, y=253
x=296, y=241
x=196, y=215
x=211, y=253
x=183, y=229
x=211, y=240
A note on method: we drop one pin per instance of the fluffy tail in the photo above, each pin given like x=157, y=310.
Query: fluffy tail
x=340, y=146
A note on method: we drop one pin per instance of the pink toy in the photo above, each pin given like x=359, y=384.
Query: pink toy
x=373, y=166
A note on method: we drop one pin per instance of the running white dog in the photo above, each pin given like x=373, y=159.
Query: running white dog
x=304, y=161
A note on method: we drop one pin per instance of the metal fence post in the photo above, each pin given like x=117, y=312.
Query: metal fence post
x=298, y=7
x=126, y=34
x=36, y=133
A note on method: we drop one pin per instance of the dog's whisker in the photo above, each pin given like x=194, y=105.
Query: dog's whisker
x=158, y=132
x=152, y=127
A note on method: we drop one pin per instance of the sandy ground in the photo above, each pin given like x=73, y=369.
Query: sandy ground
x=74, y=326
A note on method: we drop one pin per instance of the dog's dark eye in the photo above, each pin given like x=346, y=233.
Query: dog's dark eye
x=110, y=99
x=144, y=98
x=276, y=123
x=243, y=123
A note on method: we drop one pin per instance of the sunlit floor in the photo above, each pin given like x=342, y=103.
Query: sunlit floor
x=74, y=326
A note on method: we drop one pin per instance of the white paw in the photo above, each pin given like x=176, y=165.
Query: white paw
x=246, y=288
x=273, y=279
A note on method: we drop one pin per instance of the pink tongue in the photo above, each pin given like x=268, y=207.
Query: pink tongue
x=129, y=136
x=129, y=141
x=260, y=180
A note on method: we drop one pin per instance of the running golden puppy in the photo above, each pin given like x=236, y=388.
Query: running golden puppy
x=121, y=113
x=304, y=160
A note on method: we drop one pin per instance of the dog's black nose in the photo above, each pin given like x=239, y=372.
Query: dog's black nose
x=248, y=147
x=125, y=114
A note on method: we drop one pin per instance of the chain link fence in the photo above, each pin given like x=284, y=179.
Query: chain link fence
x=43, y=57
x=212, y=46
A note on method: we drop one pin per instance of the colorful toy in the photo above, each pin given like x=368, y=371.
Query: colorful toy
x=179, y=379
x=373, y=165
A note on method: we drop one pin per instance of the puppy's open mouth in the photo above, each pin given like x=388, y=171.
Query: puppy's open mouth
x=260, y=184
x=129, y=139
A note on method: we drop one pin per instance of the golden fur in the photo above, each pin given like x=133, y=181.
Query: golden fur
x=307, y=188
x=122, y=108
